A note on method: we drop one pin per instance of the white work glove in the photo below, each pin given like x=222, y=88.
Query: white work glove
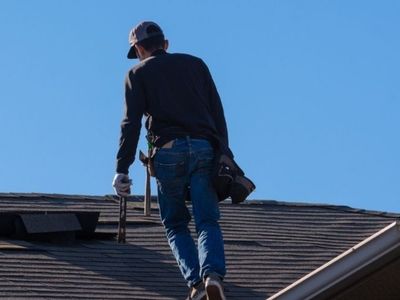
x=122, y=184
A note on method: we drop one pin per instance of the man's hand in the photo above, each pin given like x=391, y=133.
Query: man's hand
x=122, y=184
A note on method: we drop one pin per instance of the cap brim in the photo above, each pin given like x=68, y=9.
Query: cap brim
x=132, y=53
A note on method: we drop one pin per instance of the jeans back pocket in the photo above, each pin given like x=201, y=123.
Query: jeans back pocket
x=169, y=165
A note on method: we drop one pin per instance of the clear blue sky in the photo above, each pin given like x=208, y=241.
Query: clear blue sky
x=310, y=88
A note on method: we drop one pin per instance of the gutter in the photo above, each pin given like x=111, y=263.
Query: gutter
x=344, y=266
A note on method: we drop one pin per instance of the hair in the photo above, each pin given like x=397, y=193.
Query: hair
x=155, y=42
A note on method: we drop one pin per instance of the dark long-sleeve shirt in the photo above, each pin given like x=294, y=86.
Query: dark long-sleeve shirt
x=178, y=96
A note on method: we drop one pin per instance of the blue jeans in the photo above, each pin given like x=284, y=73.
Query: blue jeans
x=188, y=163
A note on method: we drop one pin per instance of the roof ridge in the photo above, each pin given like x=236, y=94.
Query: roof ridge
x=139, y=198
x=343, y=208
x=66, y=196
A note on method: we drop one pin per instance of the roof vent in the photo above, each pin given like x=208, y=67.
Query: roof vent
x=48, y=226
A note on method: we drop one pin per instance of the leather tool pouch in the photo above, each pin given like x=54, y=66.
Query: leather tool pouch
x=229, y=180
x=148, y=162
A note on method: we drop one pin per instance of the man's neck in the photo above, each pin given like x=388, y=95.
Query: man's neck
x=148, y=54
x=158, y=51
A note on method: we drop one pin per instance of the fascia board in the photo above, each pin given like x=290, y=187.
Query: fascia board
x=344, y=265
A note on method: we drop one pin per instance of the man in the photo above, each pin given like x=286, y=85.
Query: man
x=185, y=123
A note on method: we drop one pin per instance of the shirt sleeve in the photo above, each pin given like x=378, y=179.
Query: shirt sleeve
x=131, y=122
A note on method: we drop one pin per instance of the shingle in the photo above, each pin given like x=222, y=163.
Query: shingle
x=268, y=246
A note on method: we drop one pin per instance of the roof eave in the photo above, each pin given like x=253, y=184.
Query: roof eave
x=343, y=266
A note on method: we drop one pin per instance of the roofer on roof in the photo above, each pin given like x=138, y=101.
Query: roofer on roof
x=185, y=123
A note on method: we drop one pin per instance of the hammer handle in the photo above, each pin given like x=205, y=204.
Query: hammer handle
x=122, y=220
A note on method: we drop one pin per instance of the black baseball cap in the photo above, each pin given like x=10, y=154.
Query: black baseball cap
x=142, y=31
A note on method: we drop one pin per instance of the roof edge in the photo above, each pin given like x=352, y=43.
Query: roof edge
x=68, y=196
x=336, y=207
x=265, y=202
x=343, y=266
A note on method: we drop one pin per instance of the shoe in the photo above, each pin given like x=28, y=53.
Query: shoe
x=197, y=292
x=214, y=288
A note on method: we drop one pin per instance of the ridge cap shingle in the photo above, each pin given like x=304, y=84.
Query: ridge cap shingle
x=343, y=208
x=251, y=202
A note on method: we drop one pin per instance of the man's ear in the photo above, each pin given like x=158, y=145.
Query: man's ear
x=166, y=44
x=139, y=50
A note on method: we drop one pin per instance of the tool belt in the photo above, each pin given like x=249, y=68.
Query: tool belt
x=229, y=180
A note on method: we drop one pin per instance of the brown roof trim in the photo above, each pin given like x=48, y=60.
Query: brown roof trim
x=343, y=267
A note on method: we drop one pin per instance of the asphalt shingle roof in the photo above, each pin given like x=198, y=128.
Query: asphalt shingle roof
x=269, y=245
